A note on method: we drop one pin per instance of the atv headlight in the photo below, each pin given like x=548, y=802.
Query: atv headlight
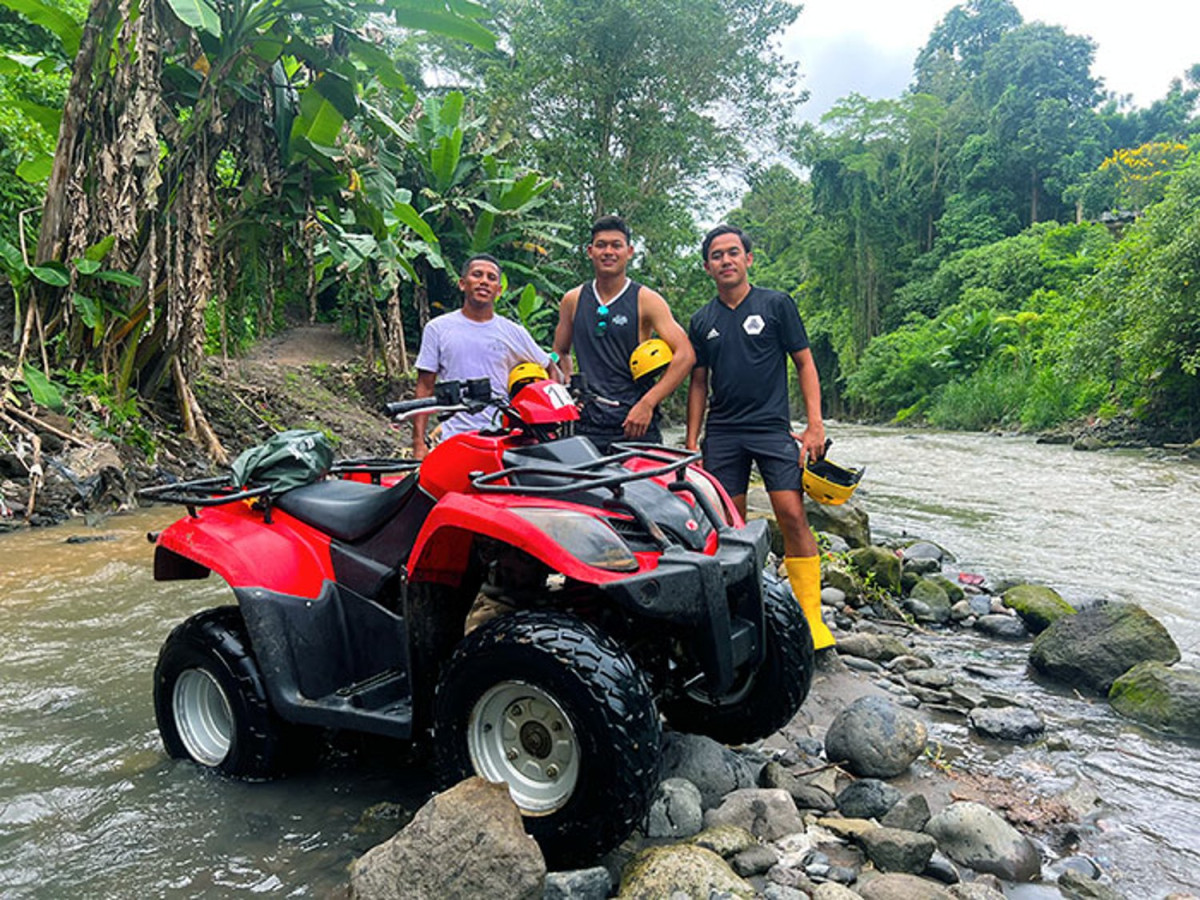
x=704, y=485
x=584, y=537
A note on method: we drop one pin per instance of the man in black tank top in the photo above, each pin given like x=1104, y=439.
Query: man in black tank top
x=604, y=320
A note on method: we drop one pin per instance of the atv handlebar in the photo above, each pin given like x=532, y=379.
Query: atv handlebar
x=471, y=395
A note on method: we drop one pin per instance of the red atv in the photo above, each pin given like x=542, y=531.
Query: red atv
x=528, y=607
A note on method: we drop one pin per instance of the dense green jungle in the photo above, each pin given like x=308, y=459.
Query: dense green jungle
x=1005, y=245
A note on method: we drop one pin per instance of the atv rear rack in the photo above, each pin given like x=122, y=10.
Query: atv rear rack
x=215, y=491
x=218, y=490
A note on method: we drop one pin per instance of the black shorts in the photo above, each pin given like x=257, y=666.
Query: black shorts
x=728, y=455
x=604, y=439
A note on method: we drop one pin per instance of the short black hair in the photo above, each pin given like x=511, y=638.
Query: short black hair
x=611, y=223
x=486, y=257
x=720, y=230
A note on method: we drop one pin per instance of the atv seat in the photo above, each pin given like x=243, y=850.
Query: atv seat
x=346, y=510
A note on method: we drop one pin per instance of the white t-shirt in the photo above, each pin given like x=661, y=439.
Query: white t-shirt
x=454, y=347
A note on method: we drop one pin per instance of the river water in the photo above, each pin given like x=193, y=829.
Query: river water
x=90, y=805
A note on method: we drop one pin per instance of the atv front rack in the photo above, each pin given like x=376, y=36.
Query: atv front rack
x=581, y=477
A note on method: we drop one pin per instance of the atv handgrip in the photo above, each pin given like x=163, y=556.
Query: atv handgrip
x=400, y=407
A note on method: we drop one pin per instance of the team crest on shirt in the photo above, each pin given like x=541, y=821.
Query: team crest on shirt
x=620, y=319
x=754, y=324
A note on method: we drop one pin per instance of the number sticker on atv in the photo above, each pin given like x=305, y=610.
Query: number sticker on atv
x=559, y=396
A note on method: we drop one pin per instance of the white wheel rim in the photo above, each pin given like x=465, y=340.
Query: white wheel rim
x=517, y=733
x=203, y=717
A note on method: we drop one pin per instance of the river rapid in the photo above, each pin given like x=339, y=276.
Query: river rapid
x=90, y=805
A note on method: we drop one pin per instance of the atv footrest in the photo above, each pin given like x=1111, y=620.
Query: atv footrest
x=379, y=692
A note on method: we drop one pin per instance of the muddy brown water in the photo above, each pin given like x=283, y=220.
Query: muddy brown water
x=91, y=806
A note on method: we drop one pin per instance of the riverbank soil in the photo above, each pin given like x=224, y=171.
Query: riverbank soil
x=54, y=466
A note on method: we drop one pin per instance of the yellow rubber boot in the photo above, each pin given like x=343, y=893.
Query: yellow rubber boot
x=804, y=575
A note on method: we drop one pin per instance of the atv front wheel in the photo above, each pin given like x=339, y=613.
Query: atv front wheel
x=210, y=701
x=548, y=704
x=764, y=700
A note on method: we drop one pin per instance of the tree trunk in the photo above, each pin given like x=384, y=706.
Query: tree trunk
x=53, y=231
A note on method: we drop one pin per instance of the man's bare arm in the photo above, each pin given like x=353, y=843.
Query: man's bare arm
x=424, y=388
x=564, y=333
x=696, y=402
x=813, y=437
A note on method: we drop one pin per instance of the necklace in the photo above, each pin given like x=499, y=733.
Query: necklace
x=603, y=306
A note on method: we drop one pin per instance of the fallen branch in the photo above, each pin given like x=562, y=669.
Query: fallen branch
x=29, y=417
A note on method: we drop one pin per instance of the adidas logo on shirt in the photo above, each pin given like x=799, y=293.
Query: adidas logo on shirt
x=712, y=334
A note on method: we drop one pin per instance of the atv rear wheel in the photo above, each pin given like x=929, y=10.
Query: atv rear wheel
x=548, y=704
x=762, y=701
x=210, y=701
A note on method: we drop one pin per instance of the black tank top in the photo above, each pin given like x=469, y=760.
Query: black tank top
x=604, y=358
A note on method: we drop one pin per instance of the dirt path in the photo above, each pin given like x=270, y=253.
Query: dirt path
x=304, y=345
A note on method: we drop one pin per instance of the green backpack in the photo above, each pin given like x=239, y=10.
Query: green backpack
x=287, y=460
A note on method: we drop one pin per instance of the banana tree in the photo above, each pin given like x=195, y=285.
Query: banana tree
x=186, y=122
x=477, y=200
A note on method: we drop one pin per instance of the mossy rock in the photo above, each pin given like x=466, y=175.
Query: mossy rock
x=1166, y=699
x=680, y=868
x=1039, y=607
x=953, y=591
x=932, y=597
x=878, y=565
x=1093, y=648
x=848, y=521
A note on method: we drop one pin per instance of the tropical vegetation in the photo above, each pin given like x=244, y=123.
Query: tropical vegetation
x=1005, y=244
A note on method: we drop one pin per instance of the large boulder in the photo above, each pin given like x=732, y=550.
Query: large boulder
x=974, y=836
x=462, y=843
x=848, y=521
x=1039, y=607
x=1166, y=699
x=879, y=565
x=875, y=737
x=1092, y=648
x=678, y=869
x=710, y=766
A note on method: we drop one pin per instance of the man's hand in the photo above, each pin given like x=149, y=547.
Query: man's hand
x=638, y=420
x=812, y=443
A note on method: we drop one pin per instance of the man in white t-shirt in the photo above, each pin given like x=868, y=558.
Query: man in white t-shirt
x=472, y=342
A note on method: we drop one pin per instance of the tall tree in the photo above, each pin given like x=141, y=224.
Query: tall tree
x=1039, y=93
x=638, y=107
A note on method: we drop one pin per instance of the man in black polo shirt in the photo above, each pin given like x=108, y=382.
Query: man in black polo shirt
x=743, y=340
x=604, y=320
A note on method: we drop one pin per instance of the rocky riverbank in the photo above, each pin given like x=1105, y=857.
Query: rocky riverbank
x=899, y=644
x=855, y=798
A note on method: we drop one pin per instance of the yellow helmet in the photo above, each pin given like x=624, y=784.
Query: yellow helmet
x=828, y=483
x=524, y=373
x=650, y=357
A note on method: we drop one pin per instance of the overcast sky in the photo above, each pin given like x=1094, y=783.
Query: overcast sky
x=868, y=46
